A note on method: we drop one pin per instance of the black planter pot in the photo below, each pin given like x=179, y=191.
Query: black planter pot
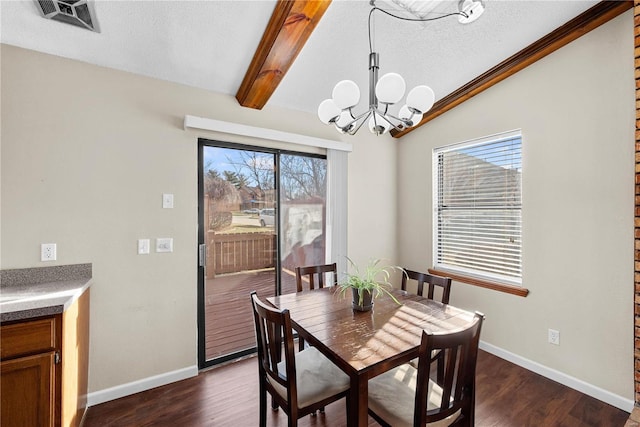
x=367, y=300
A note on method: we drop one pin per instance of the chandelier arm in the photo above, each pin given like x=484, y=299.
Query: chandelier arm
x=386, y=117
x=404, y=122
x=355, y=119
x=357, y=128
x=414, y=19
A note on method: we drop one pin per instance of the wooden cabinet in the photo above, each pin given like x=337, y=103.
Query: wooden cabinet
x=43, y=365
x=28, y=385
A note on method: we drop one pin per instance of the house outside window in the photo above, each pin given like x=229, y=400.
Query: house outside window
x=477, y=190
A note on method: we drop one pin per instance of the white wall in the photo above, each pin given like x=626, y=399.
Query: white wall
x=87, y=153
x=576, y=111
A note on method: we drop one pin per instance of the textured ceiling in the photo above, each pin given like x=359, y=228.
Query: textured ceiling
x=209, y=44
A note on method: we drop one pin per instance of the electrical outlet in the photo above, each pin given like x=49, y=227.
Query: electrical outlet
x=554, y=337
x=48, y=252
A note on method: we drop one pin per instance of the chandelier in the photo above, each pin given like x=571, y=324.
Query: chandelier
x=388, y=90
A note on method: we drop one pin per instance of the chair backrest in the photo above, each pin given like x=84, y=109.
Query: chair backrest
x=273, y=329
x=429, y=279
x=460, y=349
x=312, y=272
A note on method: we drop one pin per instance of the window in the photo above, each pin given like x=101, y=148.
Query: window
x=478, y=203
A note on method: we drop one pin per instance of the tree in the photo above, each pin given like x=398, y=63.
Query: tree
x=258, y=168
x=303, y=177
x=237, y=179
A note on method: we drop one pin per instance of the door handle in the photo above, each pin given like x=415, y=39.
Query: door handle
x=202, y=255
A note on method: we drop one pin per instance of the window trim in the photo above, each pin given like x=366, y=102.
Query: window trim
x=461, y=274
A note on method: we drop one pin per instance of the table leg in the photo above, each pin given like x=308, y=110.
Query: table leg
x=358, y=415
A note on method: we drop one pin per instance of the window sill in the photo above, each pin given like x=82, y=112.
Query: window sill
x=500, y=287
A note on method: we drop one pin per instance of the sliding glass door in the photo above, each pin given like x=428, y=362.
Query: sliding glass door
x=262, y=213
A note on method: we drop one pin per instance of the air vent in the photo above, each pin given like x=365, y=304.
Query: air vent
x=75, y=12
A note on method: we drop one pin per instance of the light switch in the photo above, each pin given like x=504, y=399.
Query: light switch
x=167, y=201
x=143, y=246
x=164, y=244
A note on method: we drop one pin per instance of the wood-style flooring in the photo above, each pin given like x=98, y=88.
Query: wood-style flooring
x=507, y=396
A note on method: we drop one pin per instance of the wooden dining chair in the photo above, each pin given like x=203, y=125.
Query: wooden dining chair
x=300, y=383
x=406, y=396
x=313, y=274
x=432, y=282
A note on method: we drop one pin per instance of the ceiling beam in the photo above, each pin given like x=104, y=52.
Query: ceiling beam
x=577, y=27
x=291, y=24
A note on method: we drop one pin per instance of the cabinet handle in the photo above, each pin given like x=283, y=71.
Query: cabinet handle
x=56, y=357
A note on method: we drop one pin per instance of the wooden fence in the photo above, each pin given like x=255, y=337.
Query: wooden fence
x=232, y=253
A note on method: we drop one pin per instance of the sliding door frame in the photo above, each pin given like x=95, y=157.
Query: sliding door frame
x=201, y=258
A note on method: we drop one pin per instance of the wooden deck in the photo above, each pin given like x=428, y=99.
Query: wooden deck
x=229, y=322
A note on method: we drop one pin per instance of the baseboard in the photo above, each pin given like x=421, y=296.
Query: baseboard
x=123, y=390
x=564, y=379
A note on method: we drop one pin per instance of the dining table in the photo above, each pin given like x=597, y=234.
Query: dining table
x=367, y=343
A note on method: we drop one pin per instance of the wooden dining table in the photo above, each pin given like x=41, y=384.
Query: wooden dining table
x=366, y=344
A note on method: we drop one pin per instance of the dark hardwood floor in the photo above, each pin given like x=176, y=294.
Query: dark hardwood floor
x=507, y=396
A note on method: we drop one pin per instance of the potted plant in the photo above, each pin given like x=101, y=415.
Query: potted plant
x=370, y=284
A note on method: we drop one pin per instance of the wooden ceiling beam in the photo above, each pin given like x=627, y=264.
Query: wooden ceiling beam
x=291, y=24
x=577, y=27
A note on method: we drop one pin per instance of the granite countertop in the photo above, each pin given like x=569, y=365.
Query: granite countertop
x=34, y=292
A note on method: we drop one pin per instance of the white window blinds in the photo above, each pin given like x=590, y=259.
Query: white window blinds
x=478, y=202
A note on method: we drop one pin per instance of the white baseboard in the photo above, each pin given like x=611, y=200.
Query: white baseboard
x=620, y=402
x=123, y=390
x=564, y=379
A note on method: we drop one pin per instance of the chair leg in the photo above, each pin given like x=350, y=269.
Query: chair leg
x=274, y=404
x=263, y=405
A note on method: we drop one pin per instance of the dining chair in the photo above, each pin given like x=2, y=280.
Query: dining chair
x=432, y=281
x=300, y=383
x=313, y=273
x=406, y=396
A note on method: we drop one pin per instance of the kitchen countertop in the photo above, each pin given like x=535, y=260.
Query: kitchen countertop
x=44, y=291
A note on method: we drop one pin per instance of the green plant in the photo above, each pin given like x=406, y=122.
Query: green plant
x=374, y=279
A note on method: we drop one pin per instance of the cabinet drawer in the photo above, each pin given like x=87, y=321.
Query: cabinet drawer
x=27, y=337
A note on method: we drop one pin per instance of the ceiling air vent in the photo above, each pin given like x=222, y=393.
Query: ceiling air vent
x=75, y=12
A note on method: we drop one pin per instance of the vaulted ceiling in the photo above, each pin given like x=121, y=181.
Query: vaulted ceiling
x=211, y=44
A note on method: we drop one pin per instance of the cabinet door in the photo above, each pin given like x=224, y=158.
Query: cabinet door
x=28, y=391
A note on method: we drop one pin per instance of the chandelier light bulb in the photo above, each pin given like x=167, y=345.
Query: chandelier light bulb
x=328, y=112
x=406, y=115
x=344, y=120
x=420, y=99
x=390, y=88
x=346, y=94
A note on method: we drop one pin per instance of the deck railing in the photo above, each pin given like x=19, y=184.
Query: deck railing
x=232, y=253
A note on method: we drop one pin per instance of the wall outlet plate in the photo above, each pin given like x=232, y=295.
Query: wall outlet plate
x=554, y=337
x=48, y=252
x=164, y=244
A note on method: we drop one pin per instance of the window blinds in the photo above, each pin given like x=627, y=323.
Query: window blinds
x=478, y=223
